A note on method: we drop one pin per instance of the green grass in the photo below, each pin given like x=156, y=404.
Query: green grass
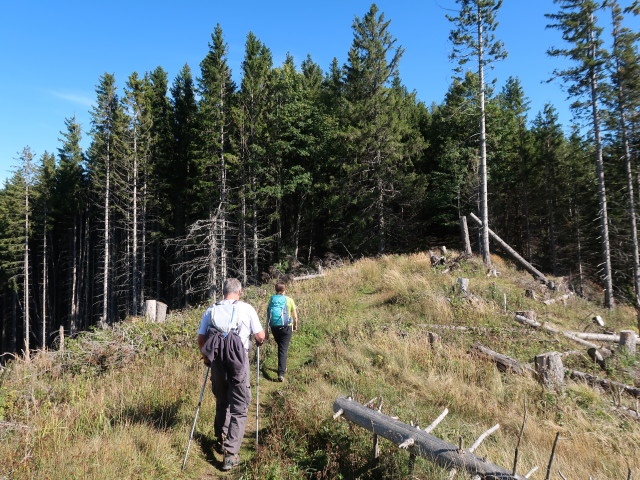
x=119, y=403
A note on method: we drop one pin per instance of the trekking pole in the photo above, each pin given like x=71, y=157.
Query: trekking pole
x=257, y=392
x=193, y=427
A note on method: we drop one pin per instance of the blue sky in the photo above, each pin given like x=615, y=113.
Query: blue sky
x=54, y=52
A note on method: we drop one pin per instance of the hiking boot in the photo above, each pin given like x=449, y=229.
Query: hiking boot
x=230, y=461
x=281, y=378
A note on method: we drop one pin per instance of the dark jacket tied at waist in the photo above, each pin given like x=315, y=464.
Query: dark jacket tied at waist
x=227, y=351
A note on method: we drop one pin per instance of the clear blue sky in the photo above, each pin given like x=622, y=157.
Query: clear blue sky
x=53, y=52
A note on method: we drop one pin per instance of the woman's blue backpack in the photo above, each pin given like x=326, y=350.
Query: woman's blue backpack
x=277, y=311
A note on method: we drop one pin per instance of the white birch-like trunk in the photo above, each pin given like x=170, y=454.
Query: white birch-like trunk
x=73, y=317
x=484, y=204
x=134, y=222
x=107, y=239
x=27, y=332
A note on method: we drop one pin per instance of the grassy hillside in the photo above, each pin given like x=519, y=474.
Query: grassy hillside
x=119, y=403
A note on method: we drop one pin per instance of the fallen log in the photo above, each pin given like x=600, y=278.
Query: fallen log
x=504, y=362
x=515, y=255
x=436, y=450
x=609, y=385
x=309, y=277
x=569, y=335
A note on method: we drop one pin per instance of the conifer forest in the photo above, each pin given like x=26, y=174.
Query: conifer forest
x=193, y=179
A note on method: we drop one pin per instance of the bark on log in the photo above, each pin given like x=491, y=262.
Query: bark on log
x=604, y=383
x=569, y=335
x=516, y=256
x=504, y=362
x=628, y=340
x=550, y=370
x=436, y=450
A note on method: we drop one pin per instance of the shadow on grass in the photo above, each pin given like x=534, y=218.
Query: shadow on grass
x=160, y=417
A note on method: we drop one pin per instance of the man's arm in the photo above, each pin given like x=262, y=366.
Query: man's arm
x=260, y=336
x=201, y=341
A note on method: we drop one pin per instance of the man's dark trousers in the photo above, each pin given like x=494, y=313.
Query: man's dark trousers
x=232, y=404
x=282, y=336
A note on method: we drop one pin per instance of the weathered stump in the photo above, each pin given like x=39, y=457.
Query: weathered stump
x=155, y=311
x=550, y=370
x=530, y=294
x=628, y=341
x=462, y=286
x=464, y=231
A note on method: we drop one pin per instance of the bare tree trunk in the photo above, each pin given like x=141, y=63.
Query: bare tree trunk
x=134, y=223
x=609, y=301
x=107, y=239
x=27, y=332
x=73, y=317
x=143, y=240
x=243, y=236
x=45, y=283
x=484, y=205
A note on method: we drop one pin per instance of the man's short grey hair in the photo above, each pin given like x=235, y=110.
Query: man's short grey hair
x=231, y=285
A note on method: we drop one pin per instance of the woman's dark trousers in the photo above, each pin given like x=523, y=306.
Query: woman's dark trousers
x=282, y=336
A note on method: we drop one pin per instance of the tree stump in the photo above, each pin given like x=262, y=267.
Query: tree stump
x=434, y=339
x=462, y=286
x=550, y=370
x=464, y=231
x=155, y=311
x=530, y=294
x=161, y=312
x=628, y=341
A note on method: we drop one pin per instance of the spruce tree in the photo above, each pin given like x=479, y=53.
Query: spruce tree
x=585, y=79
x=380, y=143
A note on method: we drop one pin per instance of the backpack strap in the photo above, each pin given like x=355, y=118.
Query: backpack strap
x=229, y=326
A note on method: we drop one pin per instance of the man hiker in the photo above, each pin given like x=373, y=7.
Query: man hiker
x=282, y=317
x=223, y=339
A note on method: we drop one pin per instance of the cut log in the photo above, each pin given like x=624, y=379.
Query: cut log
x=550, y=370
x=515, y=255
x=436, y=450
x=536, y=324
x=504, y=362
x=309, y=277
x=628, y=340
x=609, y=385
